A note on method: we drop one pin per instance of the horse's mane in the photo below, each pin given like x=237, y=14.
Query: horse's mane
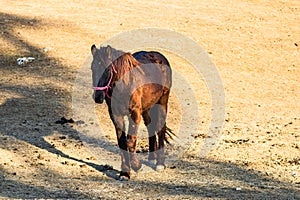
x=124, y=64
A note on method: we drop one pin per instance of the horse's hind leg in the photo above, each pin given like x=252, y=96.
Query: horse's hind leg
x=160, y=164
x=150, y=120
x=161, y=127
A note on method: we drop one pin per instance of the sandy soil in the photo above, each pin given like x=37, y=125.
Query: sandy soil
x=255, y=46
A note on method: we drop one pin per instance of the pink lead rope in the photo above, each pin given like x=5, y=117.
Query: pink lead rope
x=112, y=71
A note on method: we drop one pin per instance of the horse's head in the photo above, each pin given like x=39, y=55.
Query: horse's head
x=102, y=58
x=106, y=62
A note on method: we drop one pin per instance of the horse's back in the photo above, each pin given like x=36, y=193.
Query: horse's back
x=146, y=57
x=160, y=72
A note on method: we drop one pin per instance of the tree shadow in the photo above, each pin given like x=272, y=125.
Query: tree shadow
x=247, y=184
x=205, y=178
x=16, y=189
x=31, y=116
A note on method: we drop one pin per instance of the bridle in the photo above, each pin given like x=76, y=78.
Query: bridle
x=106, y=88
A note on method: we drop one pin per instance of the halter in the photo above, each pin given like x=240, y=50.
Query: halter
x=106, y=88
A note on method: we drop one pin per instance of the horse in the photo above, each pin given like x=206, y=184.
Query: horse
x=134, y=86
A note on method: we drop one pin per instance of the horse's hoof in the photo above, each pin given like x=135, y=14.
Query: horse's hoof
x=124, y=176
x=160, y=168
x=137, y=170
x=136, y=167
x=135, y=163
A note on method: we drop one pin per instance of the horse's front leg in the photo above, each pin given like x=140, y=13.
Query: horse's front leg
x=134, y=121
x=121, y=136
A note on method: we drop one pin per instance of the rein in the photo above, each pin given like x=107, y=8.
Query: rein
x=106, y=88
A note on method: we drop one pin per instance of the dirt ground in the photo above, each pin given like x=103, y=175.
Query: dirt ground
x=255, y=46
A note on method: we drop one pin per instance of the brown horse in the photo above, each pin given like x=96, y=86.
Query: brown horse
x=134, y=85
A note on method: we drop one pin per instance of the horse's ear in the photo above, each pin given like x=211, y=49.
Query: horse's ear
x=93, y=49
x=109, y=52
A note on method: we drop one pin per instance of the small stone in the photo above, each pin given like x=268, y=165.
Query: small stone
x=65, y=163
x=83, y=166
x=62, y=137
x=91, y=158
x=40, y=157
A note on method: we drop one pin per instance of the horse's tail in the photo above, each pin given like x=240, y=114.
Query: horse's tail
x=169, y=134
